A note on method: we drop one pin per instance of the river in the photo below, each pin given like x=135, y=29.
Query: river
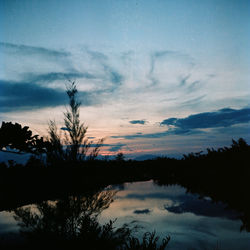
x=190, y=221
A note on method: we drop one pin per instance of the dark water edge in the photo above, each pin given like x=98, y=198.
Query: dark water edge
x=25, y=185
x=72, y=222
x=39, y=223
x=221, y=175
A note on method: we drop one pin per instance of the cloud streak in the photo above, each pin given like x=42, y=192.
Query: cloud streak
x=32, y=50
x=112, y=147
x=116, y=147
x=55, y=76
x=23, y=96
x=112, y=75
x=222, y=118
x=163, y=54
x=168, y=55
x=142, y=122
x=159, y=134
x=194, y=124
x=30, y=90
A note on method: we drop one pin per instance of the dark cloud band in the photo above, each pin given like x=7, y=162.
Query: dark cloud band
x=194, y=124
x=25, y=96
x=221, y=118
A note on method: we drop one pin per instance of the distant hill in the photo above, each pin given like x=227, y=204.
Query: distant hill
x=146, y=157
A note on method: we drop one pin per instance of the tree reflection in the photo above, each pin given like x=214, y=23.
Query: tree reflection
x=73, y=222
x=73, y=219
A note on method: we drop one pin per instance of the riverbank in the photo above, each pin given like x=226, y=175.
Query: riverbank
x=221, y=174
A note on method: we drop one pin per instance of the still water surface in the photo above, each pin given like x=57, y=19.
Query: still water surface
x=191, y=222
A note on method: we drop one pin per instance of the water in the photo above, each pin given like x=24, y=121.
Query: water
x=191, y=222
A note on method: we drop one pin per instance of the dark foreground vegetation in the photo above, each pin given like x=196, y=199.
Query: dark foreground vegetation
x=65, y=168
x=221, y=174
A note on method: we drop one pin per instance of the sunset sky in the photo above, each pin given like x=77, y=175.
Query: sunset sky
x=155, y=77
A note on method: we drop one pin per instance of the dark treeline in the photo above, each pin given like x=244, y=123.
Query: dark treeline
x=221, y=174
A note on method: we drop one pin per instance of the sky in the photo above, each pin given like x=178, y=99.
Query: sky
x=155, y=77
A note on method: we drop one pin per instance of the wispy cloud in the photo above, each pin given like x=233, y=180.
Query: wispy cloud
x=32, y=83
x=166, y=66
x=168, y=55
x=24, y=59
x=111, y=74
x=160, y=54
x=32, y=50
x=193, y=86
x=159, y=134
x=115, y=77
x=188, y=85
x=193, y=101
x=54, y=76
x=183, y=81
x=112, y=147
x=116, y=147
x=97, y=55
x=127, y=56
x=131, y=84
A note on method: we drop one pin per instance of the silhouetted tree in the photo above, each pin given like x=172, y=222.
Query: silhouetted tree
x=120, y=157
x=17, y=139
x=75, y=128
x=75, y=145
x=240, y=144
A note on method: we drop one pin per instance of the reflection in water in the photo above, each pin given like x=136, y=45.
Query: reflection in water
x=63, y=216
x=73, y=222
x=109, y=220
x=142, y=211
x=202, y=207
x=69, y=221
x=191, y=222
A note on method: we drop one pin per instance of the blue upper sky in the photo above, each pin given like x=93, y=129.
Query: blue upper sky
x=145, y=69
